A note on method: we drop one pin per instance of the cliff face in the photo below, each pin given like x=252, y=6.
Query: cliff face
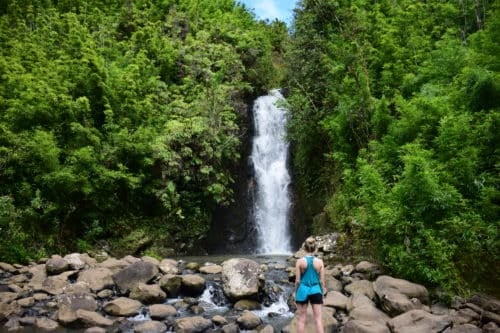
x=232, y=227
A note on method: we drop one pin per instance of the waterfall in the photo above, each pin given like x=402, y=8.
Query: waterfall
x=269, y=157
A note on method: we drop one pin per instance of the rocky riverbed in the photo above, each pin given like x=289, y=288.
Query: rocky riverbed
x=80, y=293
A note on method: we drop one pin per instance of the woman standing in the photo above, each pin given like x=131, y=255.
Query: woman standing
x=309, y=286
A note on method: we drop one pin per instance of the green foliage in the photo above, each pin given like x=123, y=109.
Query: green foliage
x=393, y=108
x=123, y=116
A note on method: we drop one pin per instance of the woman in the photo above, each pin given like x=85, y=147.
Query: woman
x=309, y=286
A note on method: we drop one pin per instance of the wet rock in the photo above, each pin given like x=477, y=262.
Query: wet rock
x=131, y=276
x=95, y=329
x=192, y=266
x=192, y=285
x=148, y=293
x=219, y=320
x=171, y=284
x=248, y=320
x=247, y=304
x=192, y=324
x=230, y=328
x=266, y=329
x=240, y=278
x=122, y=306
x=98, y=278
x=419, y=321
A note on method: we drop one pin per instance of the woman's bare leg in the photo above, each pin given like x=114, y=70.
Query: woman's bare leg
x=301, y=317
x=318, y=320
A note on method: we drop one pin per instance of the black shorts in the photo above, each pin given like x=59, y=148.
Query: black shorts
x=313, y=299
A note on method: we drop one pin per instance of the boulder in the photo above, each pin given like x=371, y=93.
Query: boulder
x=210, y=269
x=248, y=320
x=240, y=278
x=169, y=266
x=171, y=284
x=161, y=311
x=148, y=293
x=68, y=304
x=364, y=287
x=219, y=320
x=78, y=287
x=122, y=306
x=333, y=284
x=131, y=276
x=91, y=318
x=74, y=261
x=230, y=328
x=398, y=296
x=366, y=267
x=358, y=300
x=360, y=326
x=336, y=299
x=466, y=328
x=192, y=285
x=419, y=321
x=38, y=274
x=386, y=284
x=369, y=313
x=95, y=329
x=150, y=326
x=491, y=327
x=152, y=260
x=486, y=302
x=98, y=278
x=8, y=268
x=114, y=265
x=192, y=324
x=247, y=304
x=45, y=324
x=56, y=265
x=330, y=324
x=56, y=284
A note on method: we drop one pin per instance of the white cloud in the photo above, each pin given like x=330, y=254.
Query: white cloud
x=267, y=9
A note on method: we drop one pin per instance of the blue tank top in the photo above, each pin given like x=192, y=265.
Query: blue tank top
x=309, y=282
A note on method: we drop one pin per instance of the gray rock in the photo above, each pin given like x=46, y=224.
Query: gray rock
x=68, y=304
x=98, y=278
x=122, y=306
x=150, y=326
x=171, y=284
x=248, y=320
x=398, y=296
x=192, y=324
x=74, y=261
x=364, y=287
x=336, y=300
x=369, y=313
x=240, y=278
x=56, y=265
x=247, y=304
x=330, y=324
x=148, y=293
x=419, y=321
x=161, y=311
x=359, y=326
x=86, y=318
x=192, y=285
x=169, y=266
x=46, y=324
x=491, y=327
x=230, y=328
x=466, y=328
x=486, y=302
x=131, y=276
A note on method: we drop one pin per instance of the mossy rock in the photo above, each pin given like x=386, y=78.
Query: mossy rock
x=132, y=244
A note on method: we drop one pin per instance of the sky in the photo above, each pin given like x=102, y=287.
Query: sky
x=271, y=9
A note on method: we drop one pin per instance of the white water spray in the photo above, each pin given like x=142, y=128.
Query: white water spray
x=269, y=157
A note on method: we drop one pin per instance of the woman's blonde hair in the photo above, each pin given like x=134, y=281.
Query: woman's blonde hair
x=310, y=244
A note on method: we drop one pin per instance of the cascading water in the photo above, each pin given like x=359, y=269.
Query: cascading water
x=269, y=157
